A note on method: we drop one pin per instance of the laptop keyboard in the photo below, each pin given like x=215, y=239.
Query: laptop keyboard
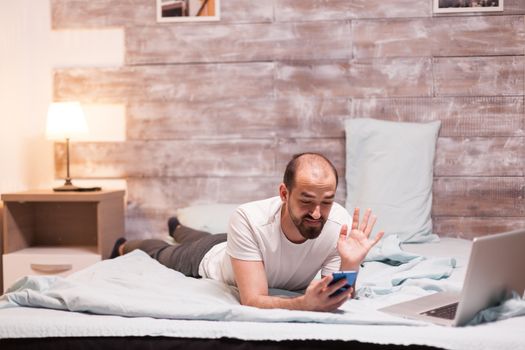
x=447, y=311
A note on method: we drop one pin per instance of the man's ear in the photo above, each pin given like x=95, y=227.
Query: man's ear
x=283, y=192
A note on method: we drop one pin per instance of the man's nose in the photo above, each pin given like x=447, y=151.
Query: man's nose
x=316, y=214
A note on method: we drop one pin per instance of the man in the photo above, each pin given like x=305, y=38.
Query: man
x=281, y=242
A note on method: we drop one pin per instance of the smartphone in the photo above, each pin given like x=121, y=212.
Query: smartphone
x=350, y=280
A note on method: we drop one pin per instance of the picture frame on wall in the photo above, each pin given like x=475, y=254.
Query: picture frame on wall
x=188, y=10
x=451, y=6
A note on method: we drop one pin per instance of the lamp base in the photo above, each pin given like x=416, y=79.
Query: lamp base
x=69, y=187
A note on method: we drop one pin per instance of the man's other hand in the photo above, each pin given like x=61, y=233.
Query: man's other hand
x=318, y=295
x=354, y=246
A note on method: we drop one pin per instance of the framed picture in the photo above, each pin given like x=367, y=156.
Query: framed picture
x=188, y=10
x=450, y=6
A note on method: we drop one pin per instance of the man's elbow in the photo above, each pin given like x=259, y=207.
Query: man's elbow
x=249, y=301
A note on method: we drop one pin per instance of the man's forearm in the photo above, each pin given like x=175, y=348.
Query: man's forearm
x=276, y=302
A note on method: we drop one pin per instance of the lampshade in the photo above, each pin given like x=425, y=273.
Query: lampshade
x=65, y=120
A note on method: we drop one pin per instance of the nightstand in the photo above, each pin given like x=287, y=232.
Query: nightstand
x=57, y=233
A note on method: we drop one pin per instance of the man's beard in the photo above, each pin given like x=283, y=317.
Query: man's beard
x=307, y=231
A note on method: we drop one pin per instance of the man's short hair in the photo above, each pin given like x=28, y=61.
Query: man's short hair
x=291, y=168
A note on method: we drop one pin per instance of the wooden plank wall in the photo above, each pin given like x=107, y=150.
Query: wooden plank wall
x=215, y=110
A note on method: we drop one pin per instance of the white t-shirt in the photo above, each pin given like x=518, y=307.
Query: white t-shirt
x=255, y=234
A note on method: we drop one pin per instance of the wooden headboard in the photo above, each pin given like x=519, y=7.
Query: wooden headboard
x=215, y=110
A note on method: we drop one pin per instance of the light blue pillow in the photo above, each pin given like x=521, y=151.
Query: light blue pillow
x=389, y=168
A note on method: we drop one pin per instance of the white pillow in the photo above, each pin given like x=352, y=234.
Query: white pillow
x=389, y=168
x=212, y=218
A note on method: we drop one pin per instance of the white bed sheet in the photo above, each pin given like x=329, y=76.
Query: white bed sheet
x=31, y=322
x=507, y=334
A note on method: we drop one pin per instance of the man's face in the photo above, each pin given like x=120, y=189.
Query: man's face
x=309, y=203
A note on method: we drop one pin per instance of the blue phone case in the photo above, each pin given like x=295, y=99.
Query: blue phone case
x=350, y=280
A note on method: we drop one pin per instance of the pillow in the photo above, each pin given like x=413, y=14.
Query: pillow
x=389, y=168
x=213, y=218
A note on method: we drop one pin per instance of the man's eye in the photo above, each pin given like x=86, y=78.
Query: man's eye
x=328, y=203
x=306, y=202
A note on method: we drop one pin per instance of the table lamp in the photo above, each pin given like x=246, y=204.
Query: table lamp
x=65, y=120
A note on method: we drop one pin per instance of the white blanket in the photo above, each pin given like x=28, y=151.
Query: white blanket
x=138, y=286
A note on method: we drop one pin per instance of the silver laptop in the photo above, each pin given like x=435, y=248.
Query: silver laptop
x=496, y=266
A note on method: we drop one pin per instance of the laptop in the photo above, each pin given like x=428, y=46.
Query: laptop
x=496, y=267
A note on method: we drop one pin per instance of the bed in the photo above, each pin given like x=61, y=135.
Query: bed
x=355, y=325
x=134, y=302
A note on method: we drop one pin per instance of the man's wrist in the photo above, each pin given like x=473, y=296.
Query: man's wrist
x=300, y=303
x=349, y=266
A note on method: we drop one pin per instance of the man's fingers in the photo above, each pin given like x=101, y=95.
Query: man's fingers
x=378, y=237
x=323, y=292
x=334, y=287
x=343, y=232
x=370, y=226
x=355, y=219
x=340, y=299
x=325, y=281
x=364, y=223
